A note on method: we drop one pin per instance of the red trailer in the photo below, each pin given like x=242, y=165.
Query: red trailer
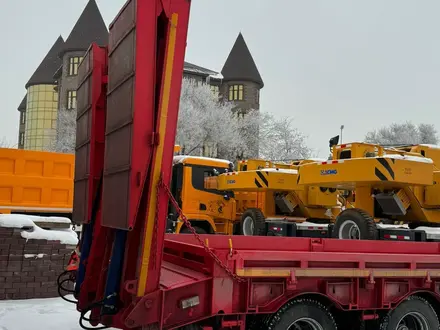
x=132, y=275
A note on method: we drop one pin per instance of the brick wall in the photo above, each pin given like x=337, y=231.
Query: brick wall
x=29, y=269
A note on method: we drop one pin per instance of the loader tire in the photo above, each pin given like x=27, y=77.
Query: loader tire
x=253, y=223
x=302, y=314
x=355, y=224
x=413, y=313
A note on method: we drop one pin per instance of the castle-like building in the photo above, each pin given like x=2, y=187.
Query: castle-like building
x=54, y=82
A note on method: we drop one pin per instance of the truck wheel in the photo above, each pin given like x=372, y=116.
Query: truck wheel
x=413, y=313
x=355, y=224
x=185, y=230
x=253, y=223
x=302, y=314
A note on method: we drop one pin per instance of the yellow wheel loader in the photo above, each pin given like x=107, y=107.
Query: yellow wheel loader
x=388, y=186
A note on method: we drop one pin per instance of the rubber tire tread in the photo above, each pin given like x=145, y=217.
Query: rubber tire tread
x=298, y=308
x=364, y=221
x=415, y=303
x=259, y=221
x=199, y=230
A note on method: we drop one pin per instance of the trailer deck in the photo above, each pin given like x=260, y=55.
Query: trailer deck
x=355, y=276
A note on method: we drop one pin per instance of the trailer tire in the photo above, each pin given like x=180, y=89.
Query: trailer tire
x=413, y=309
x=253, y=221
x=199, y=230
x=307, y=311
x=359, y=221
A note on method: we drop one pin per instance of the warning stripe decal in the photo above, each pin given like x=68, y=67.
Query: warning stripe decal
x=386, y=165
x=258, y=184
x=380, y=175
x=263, y=178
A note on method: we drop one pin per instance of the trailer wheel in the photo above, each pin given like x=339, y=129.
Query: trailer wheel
x=414, y=313
x=253, y=223
x=355, y=224
x=198, y=230
x=302, y=314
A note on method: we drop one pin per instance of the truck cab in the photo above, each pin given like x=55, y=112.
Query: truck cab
x=209, y=210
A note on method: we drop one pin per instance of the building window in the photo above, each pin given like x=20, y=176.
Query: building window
x=214, y=90
x=71, y=100
x=258, y=96
x=21, y=142
x=240, y=114
x=73, y=65
x=236, y=93
x=23, y=117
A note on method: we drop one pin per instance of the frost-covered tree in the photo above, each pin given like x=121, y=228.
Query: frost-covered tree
x=280, y=140
x=65, y=133
x=204, y=121
x=404, y=133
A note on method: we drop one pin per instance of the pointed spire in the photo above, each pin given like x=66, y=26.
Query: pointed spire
x=240, y=65
x=44, y=72
x=22, y=105
x=89, y=28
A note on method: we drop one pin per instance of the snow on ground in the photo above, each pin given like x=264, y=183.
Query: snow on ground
x=38, y=314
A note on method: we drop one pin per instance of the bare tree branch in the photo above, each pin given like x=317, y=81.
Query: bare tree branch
x=5, y=143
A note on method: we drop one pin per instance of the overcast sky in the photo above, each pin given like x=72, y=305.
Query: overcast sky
x=325, y=63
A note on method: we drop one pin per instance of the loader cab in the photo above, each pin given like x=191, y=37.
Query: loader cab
x=356, y=150
x=424, y=150
x=253, y=164
x=207, y=209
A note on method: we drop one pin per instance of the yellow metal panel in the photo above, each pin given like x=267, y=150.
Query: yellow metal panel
x=344, y=272
x=204, y=161
x=261, y=180
x=25, y=175
x=432, y=193
x=148, y=234
x=380, y=172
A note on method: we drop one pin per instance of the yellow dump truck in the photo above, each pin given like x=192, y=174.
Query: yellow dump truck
x=35, y=182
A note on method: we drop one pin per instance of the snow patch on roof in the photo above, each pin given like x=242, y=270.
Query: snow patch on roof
x=65, y=236
x=182, y=158
x=216, y=76
x=317, y=159
x=432, y=146
x=411, y=158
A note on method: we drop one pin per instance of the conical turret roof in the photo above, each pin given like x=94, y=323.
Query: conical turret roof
x=46, y=69
x=89, y=28
x=22, y=105
x=240, y=65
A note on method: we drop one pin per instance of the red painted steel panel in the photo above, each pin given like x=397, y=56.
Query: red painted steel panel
x=90, y=131
x=89, y=162
x=129, y=119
